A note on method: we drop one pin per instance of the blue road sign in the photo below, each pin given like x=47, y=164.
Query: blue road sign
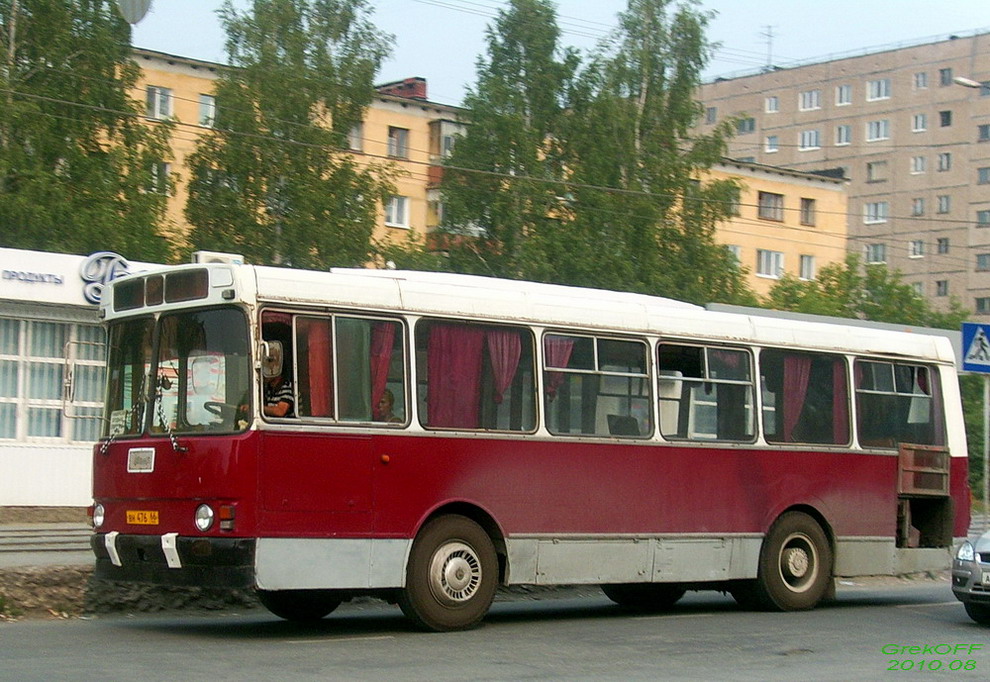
x=976, y=347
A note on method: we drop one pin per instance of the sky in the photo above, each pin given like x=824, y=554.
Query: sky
x=440, y=40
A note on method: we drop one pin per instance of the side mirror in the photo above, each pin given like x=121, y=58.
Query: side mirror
x=271, y=359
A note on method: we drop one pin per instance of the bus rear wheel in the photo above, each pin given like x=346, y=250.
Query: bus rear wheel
x=795, y=570
x=300, y=606
x=451, y=576
x=645, y=596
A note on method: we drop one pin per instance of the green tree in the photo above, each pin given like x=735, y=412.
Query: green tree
x=631, y=131
x=271, y=180
x=77, y=160
x=501, y=186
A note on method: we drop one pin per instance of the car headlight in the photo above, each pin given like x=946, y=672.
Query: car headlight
x=204, y=517
x=966, y=552
x=99, y=515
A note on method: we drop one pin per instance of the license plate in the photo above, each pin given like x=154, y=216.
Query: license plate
x=142, y=518
x=986, y=578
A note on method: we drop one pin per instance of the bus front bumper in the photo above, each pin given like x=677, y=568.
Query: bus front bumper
x=174, y=560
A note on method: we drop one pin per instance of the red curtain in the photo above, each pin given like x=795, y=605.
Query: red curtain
x=556, y=353
x=797, y=371
x=382, y=340
x=454, y=376
x=320, y=371
x=504, y=349
x=840, y=403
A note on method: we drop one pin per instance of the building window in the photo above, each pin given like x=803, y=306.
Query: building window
x=397, y=211
x=983, y=262
x=921, y=80
x=771, y=105
x=916, y=249
x=807, y=211
x=711, y=115
x=944, y=202
x=942, y=287
x=918, y=288
x=207, y=110
x=983, y=218
x=745, y=125
x=159, y=102
x=771, y=206
x=843, y=95
x=945, y=161
x=32, y=366
x=876, y=253
x=772, y=143
x=878, y=89
x=736, y=252
x=398, y=142
x=843, y=134
x=945, y=118
x=942, y=245
x=917, y=206
x=982, y=305
x=810, y=99
x=807, y=268
x=919, y=123
x=355, y=137
x=983, y=176
x=877, y=130
x=158, y=182
x=983, y=132
x=876, y=171
x=875, y=212
x=809, y=140
x=919, y=164
x=945, y=77
x=769, y=263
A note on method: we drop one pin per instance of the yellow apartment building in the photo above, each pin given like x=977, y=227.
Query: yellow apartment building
x=401, y=127
x=786, y=221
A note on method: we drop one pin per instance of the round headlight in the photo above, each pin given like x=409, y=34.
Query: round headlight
x=99, y=515
x=204, y=517
x=966, y=552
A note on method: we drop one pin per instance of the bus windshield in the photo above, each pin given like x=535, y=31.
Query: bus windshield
x=198, y=382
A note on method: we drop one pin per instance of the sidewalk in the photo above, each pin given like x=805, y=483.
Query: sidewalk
x=45, y=544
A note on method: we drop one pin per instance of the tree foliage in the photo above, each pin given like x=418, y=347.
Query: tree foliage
x=271, y=180
x=588, y=173
x=76, y=158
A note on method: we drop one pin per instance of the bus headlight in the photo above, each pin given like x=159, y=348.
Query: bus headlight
x=99, y=515
x=966, y=552
x=204, y=517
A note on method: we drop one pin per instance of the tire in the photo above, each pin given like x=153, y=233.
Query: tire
x=978, y=612
x=645, y=596
x=451, y=576
x=795, y=570
x=300, y=606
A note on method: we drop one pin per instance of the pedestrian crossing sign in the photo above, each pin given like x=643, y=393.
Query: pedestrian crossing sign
x=976, y=347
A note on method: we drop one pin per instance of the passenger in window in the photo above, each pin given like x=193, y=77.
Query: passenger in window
x=386, y=407
x=279, y=396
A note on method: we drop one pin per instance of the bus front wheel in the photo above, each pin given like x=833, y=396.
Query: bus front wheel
x=795, y=570
x=451, y=576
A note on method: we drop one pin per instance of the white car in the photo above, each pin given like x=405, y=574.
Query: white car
x=971, y=578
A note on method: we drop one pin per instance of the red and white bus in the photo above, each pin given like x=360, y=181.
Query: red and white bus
x=448, y=434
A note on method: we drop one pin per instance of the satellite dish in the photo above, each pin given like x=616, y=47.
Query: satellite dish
x=133, y=10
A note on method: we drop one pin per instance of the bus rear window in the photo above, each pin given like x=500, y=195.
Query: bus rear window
x=898, y=403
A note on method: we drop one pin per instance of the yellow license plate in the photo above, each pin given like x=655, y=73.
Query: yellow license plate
x=142, y=518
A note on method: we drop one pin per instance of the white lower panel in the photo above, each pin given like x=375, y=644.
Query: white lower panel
x=297, y=564
x=880, y=556
x=549, y=561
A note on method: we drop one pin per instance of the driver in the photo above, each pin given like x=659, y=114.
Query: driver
x=279, y=400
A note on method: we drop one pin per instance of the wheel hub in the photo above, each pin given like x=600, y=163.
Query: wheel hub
x=796, y=562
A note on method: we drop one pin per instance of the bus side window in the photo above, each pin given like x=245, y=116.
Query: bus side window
x=474, y=376
x=897, y=403
x=805, y=397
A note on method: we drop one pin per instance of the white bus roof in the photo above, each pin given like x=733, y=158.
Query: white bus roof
x=552, y=305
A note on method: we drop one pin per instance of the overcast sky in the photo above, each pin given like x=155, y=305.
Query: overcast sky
x=440, y=40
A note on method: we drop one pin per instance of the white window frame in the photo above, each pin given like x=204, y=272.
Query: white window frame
x=918, y=206
x=843, y=135
x=919, y=123
x=875, y=212
x=916, y=248
x=944, y=203
x=158, y=101
x=398, y=142
x=769, y=264
x=355, y=137
x=810, y=100
x=878, y=130
x=772, y=144
x=770, y=206
x=843, y=95
x=876, y=253
x=919, y=165
x=771, y=104
x=878, y=89
x=207, y=110
x=944, y=162
x=397, y=211
x=807, y=268
x=920, y=80
x=809, y=140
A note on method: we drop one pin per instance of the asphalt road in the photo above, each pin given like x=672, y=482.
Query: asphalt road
x=870, y=632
